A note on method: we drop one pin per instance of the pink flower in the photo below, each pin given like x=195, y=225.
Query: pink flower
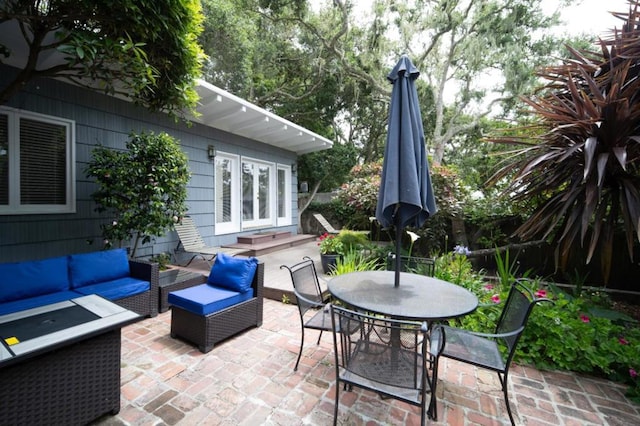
x=488, y=287
x=633, y=373
x=585, y=319
x=495, y=298
x=541, y=293
x=623, y=341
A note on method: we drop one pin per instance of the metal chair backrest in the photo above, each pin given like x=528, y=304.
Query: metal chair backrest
x=416, y=265
x=306, y=284
x=515, y=314
x=384, y=355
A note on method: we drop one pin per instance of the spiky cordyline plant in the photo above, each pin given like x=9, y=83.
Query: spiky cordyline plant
x=584, y=163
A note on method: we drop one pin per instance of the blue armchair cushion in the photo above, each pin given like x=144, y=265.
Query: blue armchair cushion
x=21, y=280
x=116, y=289
x=233, y=273
x=205, y=299
x=98, y=267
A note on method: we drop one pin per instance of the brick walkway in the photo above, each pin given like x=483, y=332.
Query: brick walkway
x=249, y=380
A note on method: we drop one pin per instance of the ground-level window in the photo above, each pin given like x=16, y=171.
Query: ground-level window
x=250, y=193
x=37, y=173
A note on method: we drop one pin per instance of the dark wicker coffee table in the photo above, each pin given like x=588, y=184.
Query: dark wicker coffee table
x=60, y=363
x=176, y=279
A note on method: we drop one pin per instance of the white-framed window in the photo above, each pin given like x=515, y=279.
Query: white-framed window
x=227, y=193
x=37, y=163
x=258, y=193
x=284, y=195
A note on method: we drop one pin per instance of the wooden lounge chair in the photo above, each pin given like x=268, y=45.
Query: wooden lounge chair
x=325, y=224
x=193, y=244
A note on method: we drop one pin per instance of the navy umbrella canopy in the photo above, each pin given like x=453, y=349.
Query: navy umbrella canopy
x=406, y=196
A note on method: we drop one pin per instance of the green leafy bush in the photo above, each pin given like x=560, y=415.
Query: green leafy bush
x=354, y=261
x=142, y=189
x=576, y=333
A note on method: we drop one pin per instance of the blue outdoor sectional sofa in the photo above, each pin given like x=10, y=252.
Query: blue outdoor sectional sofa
x=132, y=284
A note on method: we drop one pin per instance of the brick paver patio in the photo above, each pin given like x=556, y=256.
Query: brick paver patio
x=249, y=380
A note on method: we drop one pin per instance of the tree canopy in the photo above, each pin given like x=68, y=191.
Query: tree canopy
x=324, y=66
x=146, y=50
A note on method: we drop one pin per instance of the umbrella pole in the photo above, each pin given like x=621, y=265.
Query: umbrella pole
x=396, y=282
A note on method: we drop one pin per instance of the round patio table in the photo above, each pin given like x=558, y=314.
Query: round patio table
x=418, y=297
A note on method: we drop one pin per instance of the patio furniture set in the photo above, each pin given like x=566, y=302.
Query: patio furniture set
x=387, y=338
x=60, y=322
x=390, y=339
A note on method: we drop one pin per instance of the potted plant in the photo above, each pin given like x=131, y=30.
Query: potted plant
x=331, y=249
x=334, y=247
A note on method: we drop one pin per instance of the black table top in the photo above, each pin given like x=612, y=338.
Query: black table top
x=418, y=297
x=34, y=331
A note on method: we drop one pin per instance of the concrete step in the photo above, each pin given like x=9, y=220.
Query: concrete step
x=270, y=245
x=263, y=237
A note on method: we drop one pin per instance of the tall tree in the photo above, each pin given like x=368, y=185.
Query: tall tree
x=146, y=50
x=475, y=56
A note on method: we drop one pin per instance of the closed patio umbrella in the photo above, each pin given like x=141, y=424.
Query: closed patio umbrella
x=406, y=196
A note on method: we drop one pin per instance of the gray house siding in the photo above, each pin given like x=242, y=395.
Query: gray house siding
x=104, y=120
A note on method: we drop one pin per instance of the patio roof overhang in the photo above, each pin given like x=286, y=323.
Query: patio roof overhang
x=218, y=108
x=222, y=110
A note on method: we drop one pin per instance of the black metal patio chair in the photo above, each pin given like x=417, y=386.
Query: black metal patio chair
x=383, y=355
x=416, y=265
x=483, y=349
x=314, y=313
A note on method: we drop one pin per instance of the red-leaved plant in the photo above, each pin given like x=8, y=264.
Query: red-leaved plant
x=581, y=159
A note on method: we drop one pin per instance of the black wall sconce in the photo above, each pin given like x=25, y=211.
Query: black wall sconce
x=211, y=152
x=294, y=168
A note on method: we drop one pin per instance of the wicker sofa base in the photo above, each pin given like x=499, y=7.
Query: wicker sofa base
x=140, y=303
x=72, y=385
x=145, y=304
x=206, y=331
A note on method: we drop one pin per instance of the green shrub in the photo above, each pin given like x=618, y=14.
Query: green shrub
x=355, y=261
x=143, y=190
x=574, y=334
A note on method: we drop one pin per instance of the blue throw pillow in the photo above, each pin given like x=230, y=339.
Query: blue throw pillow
x=98, y=267
x=233, y=273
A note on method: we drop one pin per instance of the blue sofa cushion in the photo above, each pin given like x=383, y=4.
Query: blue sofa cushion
x=21, y=280
x=97, y=267
x=34, y=302
x=205, y=299
x=233, y=273
x=116, y=289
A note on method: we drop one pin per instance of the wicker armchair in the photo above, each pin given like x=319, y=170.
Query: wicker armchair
x=207, y=330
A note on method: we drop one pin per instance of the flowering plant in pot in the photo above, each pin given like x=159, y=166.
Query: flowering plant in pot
x=331, y=249
x=330, y=244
